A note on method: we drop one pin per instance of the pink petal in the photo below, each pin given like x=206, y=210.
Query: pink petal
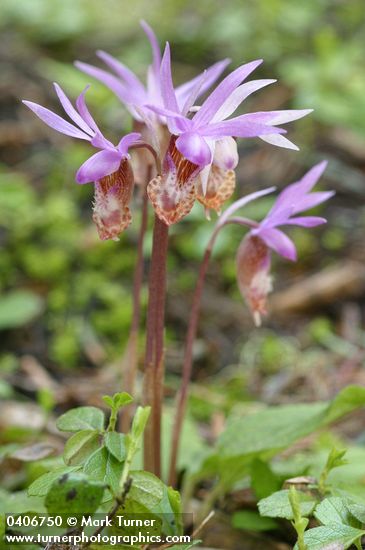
x=71, y=111
x=55, y=121
x=211, y=75
x=84, y=111
x=167, y=87
x=110, y=81
x=156, y=52
x=237, y=96
x=282, y=117
x=311, y=200
x=222, y=91
x=238, y=128
x=194, y=148
x=278, y=241
x=98, y=166
x=240, y=203
x=123, y=72
x=306, y=221
x=127, y=141
x=279, y=141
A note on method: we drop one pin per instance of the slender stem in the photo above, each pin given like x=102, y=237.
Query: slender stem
x=190, y=338
x=188, y=360
x=154, y=367
x=130, y=359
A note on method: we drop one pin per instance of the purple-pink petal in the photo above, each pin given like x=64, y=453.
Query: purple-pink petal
x=110, y=81
x=238, y=128
x=238, y=95
x=55, y=121
x=278, y=241
x=222, y=91
x=71, y=111
x=211, y=75
x=311, y=200
x=167, y=87
x=84, y=111
x=123, y=72
x=127, y=141
x=98, y=166
x=156, y=52
x=306, y=221
x=194, y=148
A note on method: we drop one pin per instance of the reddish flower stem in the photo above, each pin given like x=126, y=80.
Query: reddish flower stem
x=154, y=367
x=130, y=359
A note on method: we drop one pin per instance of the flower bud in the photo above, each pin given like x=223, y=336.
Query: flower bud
x=253, y=275
x=113, y=194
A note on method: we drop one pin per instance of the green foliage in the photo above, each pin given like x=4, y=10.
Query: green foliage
x=261, y=435
x=82, y=418
x=278, y=505
x=98, y=470
x=80, y=446
x=74, y=494
x=19, y=308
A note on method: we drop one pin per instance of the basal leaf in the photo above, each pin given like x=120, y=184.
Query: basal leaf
x=80, y=446
x=81, y=418
x=40, y=486
x=146, y=489
x=277, y=505
x=115, y=443
x=74, y=494
x=103, y=466
x=321, y=537
x=266, y=432
x=334, y=510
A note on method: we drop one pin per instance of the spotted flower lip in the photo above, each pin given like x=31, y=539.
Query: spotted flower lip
x=102, y=163
x=133, y=93
x=197, y=135
x=294, y=199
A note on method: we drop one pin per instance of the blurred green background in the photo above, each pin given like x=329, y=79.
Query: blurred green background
x=65, y=297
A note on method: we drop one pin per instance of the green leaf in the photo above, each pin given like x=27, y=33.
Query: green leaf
x=20, y=503
x=81, y=418
x=80, y=446
x=277, y=505
x=263, y=480
x=250, y=520
x=74, y=494
x=321, y=537
x=357, y=510
x=40, y=486
x=146, y=489
x=118, y=400
x=266, y=432
x=18, y=308
x=103, y=466
x=115, y=443
x=334, y=510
